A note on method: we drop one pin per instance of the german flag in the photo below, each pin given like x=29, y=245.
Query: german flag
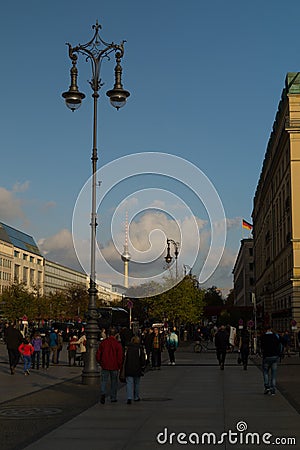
x=247, y=225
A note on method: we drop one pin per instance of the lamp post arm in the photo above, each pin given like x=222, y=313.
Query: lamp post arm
x=95, y=54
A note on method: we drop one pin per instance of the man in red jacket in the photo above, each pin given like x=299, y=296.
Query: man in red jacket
x=110, y=357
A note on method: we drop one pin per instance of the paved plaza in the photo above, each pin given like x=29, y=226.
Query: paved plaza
x=193, y=404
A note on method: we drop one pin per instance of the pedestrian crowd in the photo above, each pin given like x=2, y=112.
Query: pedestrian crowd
x=124, y=356
x=38, y=350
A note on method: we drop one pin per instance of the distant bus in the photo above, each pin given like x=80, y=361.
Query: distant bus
x=112, y=317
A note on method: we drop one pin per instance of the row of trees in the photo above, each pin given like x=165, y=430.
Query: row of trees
x=17, y=301
x=183, y=303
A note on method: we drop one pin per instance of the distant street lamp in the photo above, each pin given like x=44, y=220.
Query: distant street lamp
x=94, y=51
x=168, y=257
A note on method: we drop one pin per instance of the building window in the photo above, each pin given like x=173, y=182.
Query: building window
x=39, y=281
x=16, y=254
x=25, y=257
x=31, y=259
x=17, y=272
x=31, y=277
x=25, y=275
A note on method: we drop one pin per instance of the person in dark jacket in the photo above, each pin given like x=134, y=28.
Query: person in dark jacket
x=45, y=351
x=53, y=345
x=222, y=344
x=270, y=346
x=156, y=348
x=13, y=339
x=135, y=362
x=244, y=347
x=37, y=345
x=147, y=341
x=110, y=357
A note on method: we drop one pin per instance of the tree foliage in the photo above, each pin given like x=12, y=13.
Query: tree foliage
x=181, y=304
x=213, y=297
x=17, y=301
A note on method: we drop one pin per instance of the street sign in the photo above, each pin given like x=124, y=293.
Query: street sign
x=129, y=304
x=250, y=323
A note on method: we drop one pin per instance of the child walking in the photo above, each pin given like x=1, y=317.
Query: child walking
x=26, y=349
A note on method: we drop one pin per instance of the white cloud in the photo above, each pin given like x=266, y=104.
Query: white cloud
x=21, y=187
x=48, y=205
x=10, y=205
x=158, y=204
x=59, y=248
x=147, y=244
x=234, y=222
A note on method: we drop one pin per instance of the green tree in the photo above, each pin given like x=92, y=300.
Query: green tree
x=213, y=297
x=181, y=304
x=77, y=300
x=17, y=301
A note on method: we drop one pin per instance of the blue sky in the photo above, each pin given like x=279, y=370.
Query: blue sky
x=205, y=81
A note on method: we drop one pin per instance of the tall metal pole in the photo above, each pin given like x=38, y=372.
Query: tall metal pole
x=95, y=51
x=91, y=373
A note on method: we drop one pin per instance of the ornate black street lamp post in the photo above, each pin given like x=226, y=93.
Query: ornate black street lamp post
x=168, y=257
x=94, y=51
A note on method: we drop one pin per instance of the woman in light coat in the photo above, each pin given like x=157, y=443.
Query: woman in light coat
x=82, y=347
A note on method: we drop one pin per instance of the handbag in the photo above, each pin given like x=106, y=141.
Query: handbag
x=122, y=377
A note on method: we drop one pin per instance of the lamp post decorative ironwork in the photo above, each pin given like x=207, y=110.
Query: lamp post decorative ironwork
x=169, y=258
x=94, y=51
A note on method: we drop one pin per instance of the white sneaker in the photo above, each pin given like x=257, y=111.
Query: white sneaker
x=173, y=364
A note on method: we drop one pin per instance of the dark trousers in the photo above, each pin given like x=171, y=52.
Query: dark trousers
x=72, y=357
x=244, y=356
x=45, y=357
x=156, y=357
x=13, y=356
x=171, y=352
x=221, y=355
x=36, y=360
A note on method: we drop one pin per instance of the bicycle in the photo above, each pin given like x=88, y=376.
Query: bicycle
x=199, y=346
